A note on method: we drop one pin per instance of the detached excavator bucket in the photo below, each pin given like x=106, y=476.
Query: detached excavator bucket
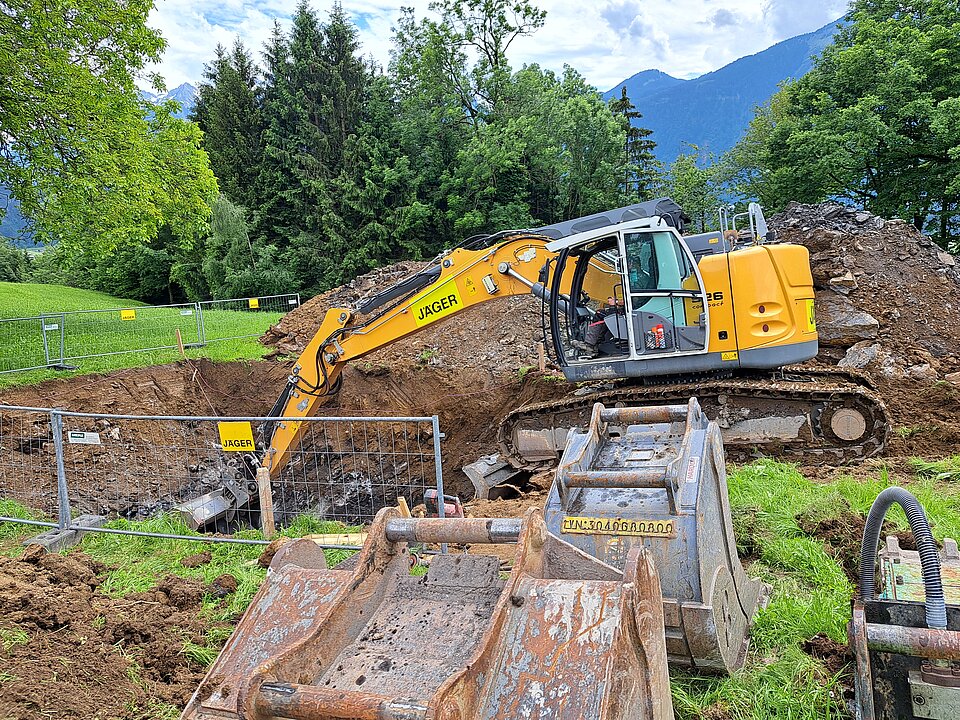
x=654, y=477
x=563, y=636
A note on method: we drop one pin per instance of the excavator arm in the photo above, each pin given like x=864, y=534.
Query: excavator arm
x=458, y=280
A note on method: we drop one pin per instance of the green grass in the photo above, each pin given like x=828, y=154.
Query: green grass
x=32, y=299
x=811, y=593
x=97, y=333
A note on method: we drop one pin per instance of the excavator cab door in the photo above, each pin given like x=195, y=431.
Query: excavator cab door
x=666, y=300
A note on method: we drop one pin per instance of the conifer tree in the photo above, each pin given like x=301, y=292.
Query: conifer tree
x=643, y=170
x=228, y=110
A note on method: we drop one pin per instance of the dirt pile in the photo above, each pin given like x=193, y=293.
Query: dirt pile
x=295, y=329
x=888, y=303
x=883, y=289
x=495, y=339
x=69, y=651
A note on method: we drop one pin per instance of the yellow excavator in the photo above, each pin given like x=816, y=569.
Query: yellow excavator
x=627, y=298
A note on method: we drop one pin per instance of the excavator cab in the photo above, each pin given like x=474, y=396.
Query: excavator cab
x=625, y=292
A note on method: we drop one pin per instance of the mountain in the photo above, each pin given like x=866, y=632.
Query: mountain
x=645, y=82
x=185, y=94
x=713, y=110
x=12, y=224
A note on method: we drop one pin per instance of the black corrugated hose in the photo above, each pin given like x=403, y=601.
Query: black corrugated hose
x=936, y=610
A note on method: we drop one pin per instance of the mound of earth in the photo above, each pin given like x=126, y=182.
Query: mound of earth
x=70, y=651
x=888, y=299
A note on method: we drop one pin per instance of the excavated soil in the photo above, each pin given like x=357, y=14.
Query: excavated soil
x=837, y=660
x=143, y=467
x=71, y=652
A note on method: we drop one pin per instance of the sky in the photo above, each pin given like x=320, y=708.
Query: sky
x=606, y=40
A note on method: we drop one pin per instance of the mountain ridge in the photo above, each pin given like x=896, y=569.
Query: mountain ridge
x=677, y=113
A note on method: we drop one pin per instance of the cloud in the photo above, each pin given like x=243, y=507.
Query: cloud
x=606, y=40
x=788, y=17
x=724, y=18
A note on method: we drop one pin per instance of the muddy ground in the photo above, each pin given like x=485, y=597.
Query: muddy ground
x=71, y=652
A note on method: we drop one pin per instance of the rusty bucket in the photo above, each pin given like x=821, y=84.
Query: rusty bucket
x=563, y=636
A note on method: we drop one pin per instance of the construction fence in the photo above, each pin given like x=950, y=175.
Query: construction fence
x=58, y=340
x=202, y=472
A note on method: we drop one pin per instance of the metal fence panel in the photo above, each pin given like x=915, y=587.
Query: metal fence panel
x=22, y=342
x=220, y=317
x=94, y=333
x=57, y=339
x=28, y=469
x=138, y=467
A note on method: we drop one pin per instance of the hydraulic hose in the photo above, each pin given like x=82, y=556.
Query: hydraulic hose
x=936, y=610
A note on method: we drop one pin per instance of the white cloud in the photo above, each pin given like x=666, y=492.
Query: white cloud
x=607, y=40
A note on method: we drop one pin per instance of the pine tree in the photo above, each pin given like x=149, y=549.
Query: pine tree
x=228, y=111
x=643, y=170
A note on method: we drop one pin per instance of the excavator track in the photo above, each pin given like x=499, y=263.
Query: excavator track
x=828, y=413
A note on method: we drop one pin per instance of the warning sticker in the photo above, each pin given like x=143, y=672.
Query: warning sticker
x=811, y=317
x=236, y=436
x=732, y=355
x=618, y=526
x=437, y=304
x=76, y=437
x=254, y=303
x=128, y=314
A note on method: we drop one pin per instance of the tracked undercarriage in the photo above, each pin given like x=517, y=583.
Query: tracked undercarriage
x=830, y=413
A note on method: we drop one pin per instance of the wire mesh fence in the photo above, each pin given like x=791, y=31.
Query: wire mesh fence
x=206, y=472
x=224, y=319
x=22, y=344
x=28, y=467
x=57, y=340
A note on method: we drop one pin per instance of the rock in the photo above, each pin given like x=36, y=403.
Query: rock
x=843, y=283
x=840, y=324
x=193, y=561
x=861, y=355
x=862, y=217
x=946, y=258
x=923, y=371
x=953, y=378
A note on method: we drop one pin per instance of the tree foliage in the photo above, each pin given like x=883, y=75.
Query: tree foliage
x=875, y=123
x=89, y=167
x=692, y=183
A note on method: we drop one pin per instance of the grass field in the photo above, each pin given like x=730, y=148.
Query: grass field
x=811, y=591
x=98, y=333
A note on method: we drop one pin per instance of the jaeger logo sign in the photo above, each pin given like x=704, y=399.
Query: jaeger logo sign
x=236, y=436
x=437, y=304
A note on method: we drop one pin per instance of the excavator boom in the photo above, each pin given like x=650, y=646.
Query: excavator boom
x=466, y=277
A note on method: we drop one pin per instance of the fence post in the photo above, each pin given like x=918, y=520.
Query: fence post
x=438, y=465
x=43, y=334
x=201, y=329
x=266, y=503
x=63, y=338
x=63, y=492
